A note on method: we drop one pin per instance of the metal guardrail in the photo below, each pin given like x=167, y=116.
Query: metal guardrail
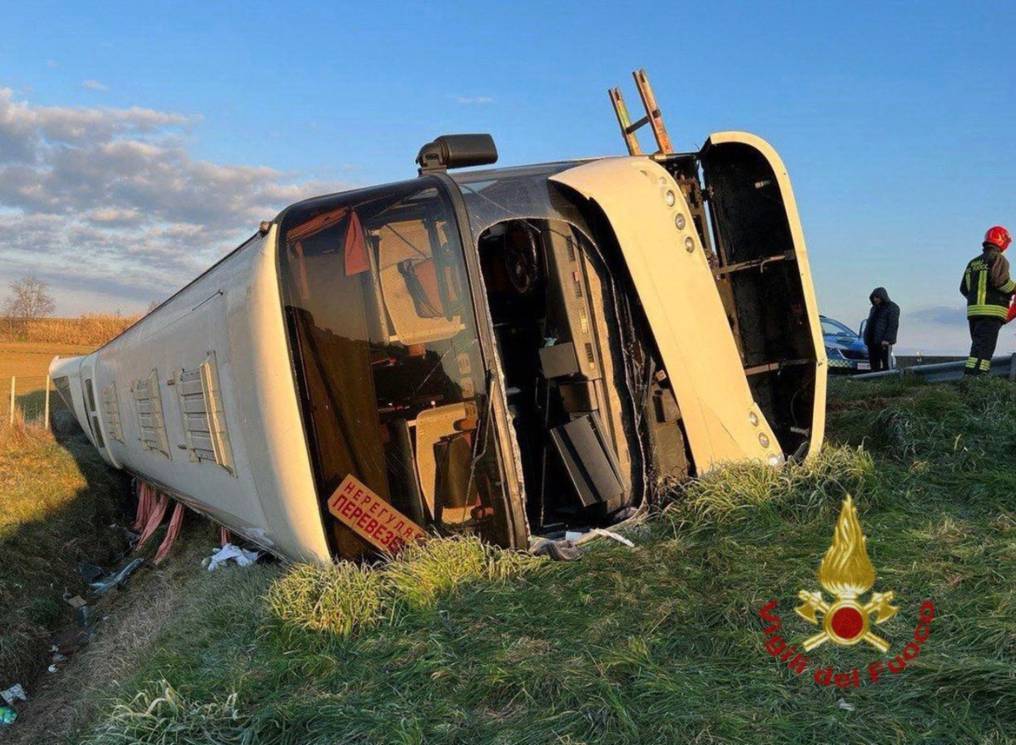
x=1003, y=366
x=912, y=360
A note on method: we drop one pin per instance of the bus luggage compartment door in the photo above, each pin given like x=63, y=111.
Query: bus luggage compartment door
x=673, y=281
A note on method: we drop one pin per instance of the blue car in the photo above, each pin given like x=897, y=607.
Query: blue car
x=844, y=348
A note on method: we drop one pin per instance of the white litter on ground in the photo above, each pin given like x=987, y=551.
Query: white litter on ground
x=14, y=693
x=228, y=553
x=613, y=536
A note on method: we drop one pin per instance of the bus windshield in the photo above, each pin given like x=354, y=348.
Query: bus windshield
x=387, y=359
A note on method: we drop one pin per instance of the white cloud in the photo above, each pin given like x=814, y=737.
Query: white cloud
x=94, y=85
x=114, y=216
x=110, y=201
x=474, y=100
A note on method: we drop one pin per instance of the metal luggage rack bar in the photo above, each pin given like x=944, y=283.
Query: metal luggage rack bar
x=759, y=264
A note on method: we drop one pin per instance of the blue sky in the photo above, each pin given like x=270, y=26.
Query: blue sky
x=147, y=138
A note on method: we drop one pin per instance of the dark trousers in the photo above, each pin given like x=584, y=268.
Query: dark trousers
x=879, y=358
x=983, y=338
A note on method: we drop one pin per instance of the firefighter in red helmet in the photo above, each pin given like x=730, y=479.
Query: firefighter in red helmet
x=988, y=289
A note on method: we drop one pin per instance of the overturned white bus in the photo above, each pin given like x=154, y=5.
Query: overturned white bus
x=503, y=352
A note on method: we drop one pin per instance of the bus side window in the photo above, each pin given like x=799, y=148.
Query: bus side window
x=93, y=415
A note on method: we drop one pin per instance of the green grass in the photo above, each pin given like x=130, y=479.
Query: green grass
x=57, y=502
x=459, y=643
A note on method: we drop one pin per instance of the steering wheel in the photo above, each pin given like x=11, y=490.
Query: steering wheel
x=521, y=260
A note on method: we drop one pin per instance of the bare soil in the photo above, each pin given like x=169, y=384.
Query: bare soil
x=63, y=702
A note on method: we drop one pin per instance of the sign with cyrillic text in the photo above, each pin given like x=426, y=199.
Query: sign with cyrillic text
x=372, y=518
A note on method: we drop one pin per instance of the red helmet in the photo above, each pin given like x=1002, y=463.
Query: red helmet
x=998, y=236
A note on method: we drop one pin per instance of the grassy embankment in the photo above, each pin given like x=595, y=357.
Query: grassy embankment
x=57, y=500
x=461, y=644
x=57, y=497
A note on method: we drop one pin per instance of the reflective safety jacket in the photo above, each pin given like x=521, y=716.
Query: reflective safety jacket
x=987, y=285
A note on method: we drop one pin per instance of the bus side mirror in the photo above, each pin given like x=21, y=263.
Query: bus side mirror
x=457, y=151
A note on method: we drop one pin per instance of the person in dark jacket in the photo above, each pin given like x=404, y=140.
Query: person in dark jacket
x=880, y=331
x=988, y=288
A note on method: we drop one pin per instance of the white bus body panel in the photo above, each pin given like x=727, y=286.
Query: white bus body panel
x=233, y=312
x=70, y=368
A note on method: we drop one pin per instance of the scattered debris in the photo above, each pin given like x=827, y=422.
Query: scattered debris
x=52, y=669
x=229, y=552
x=15, y=693
x=612, y=536
x=70, y=641
x=102, y=586
x=76, y=601
x=90, y=572
x=625, y=514
x=845, y=706
x=561, y=550
x=579, y=537
x=84, y=617
x=7, y=715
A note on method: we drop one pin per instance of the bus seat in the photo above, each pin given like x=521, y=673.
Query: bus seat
x=434, y=426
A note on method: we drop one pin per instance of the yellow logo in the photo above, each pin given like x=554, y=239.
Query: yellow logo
x=846, y=573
